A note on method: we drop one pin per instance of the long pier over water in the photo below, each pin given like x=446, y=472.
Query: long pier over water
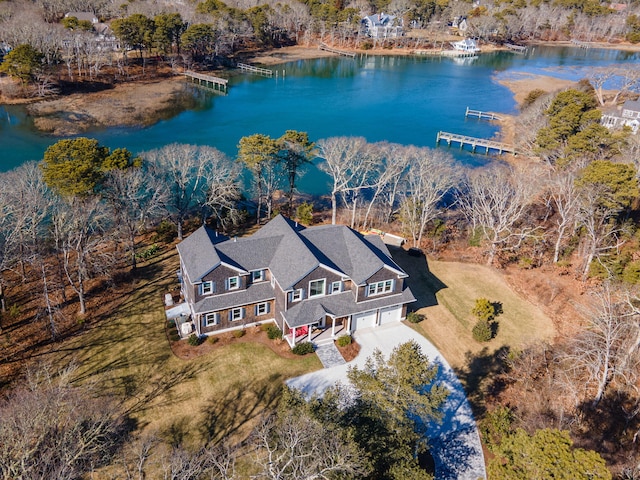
x=214, y=83
x=474, y=143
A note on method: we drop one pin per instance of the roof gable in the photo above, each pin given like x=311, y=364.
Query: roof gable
x=198, y=252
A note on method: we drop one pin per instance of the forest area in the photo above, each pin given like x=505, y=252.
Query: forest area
x=76, y=227
x=50, y=51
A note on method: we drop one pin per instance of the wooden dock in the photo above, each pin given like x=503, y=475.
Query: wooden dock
x=257, y=70
x=447, y=53
x=474, y=143
x=327, y=48
x=481, y=115
x=516, y=48
x=584, y=45
x=208, y=81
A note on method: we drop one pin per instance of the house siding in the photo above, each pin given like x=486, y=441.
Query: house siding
x=380, y=276
x=249, y=317
x=317, y=274
x=280, y=305
x=219, y=275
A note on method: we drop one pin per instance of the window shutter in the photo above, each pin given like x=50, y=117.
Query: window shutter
x=268, y=307
x=230, y=315
x=242, y=312
x=255, y=310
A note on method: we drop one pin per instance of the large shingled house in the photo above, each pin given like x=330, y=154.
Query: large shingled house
x=309, y=281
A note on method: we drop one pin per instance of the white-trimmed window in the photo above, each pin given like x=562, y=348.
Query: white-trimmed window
x=257, y=276
x=379, y=288
x=233, y=283
x=262, y=308
x=207, y=288
x=316, y=287
x=296, y=295
x=211, y=318
x=336, y=287
x=236, y=314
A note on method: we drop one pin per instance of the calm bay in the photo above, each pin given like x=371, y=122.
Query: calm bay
x=400, y=99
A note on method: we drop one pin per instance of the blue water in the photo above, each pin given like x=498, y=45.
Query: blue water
x=398, y=99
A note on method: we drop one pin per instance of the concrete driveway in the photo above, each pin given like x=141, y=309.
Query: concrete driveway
x=455, y=443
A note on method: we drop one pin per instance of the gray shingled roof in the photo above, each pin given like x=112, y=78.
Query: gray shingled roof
x=340, y=305
x=198, y=252
x=632, y=105
x=359, y=257
x=250, y=253
x=258, y=292
x=289, y=250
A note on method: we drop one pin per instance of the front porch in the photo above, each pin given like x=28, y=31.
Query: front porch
x=319, y=332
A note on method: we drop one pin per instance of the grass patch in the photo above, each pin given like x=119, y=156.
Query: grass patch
x=216, y=394
x=448, y=320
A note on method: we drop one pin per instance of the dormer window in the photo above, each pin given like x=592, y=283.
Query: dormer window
x=207, y=288
x=257, y=276
x=336, y=287
x=233, y=283
x=379, y=288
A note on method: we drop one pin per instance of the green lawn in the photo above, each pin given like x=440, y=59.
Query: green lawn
x=216, y=394
x=447, y=292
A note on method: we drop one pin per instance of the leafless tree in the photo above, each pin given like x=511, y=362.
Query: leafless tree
x=562, y=195
x=51, y=429
x=346, y=161
x=79, y=227
x=298, y=446
x=188, y=173
x=494, y=200
x=431, y=177
x=134, y=197
x=389, y=166
x=596, y=355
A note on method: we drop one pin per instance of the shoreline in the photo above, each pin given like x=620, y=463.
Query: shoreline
x=157, y=99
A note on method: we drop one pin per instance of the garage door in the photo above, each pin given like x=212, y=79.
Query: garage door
x=364, y=320
x=390, y=314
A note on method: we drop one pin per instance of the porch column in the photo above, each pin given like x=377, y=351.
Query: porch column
x=349, y=324
x=308, y=333
x=293, y=336
x=333, y=327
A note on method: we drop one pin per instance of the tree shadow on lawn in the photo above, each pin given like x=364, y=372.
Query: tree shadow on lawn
x=241, y=403
x=479, y=376
x=424, y=284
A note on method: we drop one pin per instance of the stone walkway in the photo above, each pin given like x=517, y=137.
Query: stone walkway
x=329, y=355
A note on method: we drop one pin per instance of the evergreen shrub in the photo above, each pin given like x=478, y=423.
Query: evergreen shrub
x=303, y=348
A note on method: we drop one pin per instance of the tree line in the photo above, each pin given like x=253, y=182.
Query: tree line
x=39, y=39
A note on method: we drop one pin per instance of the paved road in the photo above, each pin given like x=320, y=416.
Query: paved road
x=455, y=443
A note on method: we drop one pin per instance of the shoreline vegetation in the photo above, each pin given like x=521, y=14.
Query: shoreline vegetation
x=144, y=102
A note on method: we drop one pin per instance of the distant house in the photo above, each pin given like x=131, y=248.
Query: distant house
x=626, y=115
x=468, y=45
x=458, y=25
x=310, y=282
x=105, y=38
x=382, y=25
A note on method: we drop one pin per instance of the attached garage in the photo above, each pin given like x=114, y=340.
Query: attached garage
x=364, y=320
x=390, y=314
